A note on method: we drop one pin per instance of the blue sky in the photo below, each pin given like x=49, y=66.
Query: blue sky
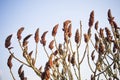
x=44, y=14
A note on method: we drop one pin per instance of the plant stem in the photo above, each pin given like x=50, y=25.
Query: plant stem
x=12, y=74
x=36, y=52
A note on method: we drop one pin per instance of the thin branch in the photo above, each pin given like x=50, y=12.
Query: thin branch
x=12, y=75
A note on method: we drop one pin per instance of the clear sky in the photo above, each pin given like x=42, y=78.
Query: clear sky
x=44, y=14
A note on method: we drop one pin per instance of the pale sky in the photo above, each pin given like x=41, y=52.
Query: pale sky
x=44, y=14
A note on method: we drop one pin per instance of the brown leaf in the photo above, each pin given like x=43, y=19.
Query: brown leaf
x=19, y=32
x=8, y=41
x=9, y=62
x=37, y=36
x=54, y=31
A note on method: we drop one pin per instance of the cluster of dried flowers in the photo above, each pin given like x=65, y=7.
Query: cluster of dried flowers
x=64, y=62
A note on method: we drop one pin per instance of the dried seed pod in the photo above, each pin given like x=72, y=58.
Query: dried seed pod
x=108, y=33
x=66, y=37
x=50, y=62
x=9, y=62
x=30, y=54
x=40, y=69
x=56, y=62
x=86, y=38
x=33, y=61
x=115, y=25
x=77, y=36
x=91, y=19
x=73, y=59
x=92, y=55
x=96, y=38
x=109, y=14
x=65, y=25
x=70, y=30
x=69, y=58
x=101, y=33
x=43, y=41
x=55, y=53
x=96, y=25
x=51, y=46
x=47, y=74
x=37, y=36
x=101, y=48
x=110, y=17
x=89, y=32
x=96, y=45
x=19, y=32
x=22, y=75
x=8, y=41
x=54, y=31
x=20, y=70
x=92, y=77
x=25, y=78
x=25, y=42
x=110, y=79
x=114, y=66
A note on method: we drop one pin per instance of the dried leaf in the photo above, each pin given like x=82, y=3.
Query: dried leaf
x=54, y=31
x=51, y=46
x=9, y=62
x=37, y=36
x=8, y=41
x=19, y=32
